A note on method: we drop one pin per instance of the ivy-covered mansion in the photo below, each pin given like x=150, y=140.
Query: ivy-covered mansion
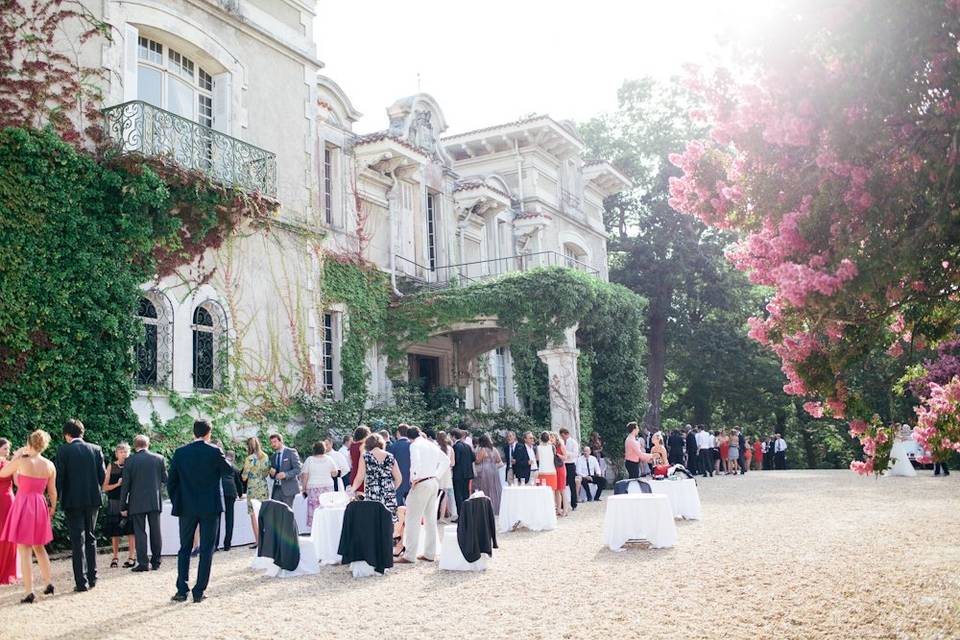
x=474, y=261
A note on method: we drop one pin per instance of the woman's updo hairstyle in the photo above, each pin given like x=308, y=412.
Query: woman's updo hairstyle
x=39, y=440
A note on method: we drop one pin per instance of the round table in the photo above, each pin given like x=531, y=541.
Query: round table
x=325, y=534
x=639, y=516
x=527, y=506
x=683, y=495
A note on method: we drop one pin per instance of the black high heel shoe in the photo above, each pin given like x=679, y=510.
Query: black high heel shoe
x=48, y=591
x=29, y=599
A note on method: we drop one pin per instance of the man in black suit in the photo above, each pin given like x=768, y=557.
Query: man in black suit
x=232, y=489
x=510, y=455
x=526, y=459
x=742, y=444
x=194, y=487
x=143, y=475
x=693, y=462
x=675, y=448
x=80, y=475
x=463, y=459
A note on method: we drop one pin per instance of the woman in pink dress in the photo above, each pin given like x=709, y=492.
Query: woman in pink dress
x=8, y=551
x=28, y=523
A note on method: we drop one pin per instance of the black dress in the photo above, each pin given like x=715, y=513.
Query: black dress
x=112, y=523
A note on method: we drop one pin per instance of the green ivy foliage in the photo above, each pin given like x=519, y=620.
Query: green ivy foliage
x=78, y=236
x=536, y=306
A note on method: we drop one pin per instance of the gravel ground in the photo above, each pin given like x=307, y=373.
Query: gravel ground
x=796, y=554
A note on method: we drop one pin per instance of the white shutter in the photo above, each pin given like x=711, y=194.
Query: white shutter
x=130, y=44
x=222, y=96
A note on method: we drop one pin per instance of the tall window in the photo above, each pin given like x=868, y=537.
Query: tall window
x=170, y=80
x=328, y=352
x=574, y=257
x=501, y=369
x=154, y=353
x=328, y=184
x=208, y=344
x=432, y=231
x=147, y=350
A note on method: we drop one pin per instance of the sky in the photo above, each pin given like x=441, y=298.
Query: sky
x=496, y=61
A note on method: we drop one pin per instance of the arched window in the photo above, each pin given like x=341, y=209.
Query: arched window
x=574, y=256
x=172, y=81
x=154, y=353
x=209, y=346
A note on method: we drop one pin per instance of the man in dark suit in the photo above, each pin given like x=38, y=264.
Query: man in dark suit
x=194, y=487
x=80, y=475
x=285, y=471
x=232, y=489
x=143, y=475
x=510, y=455
x=693, y=462
x=526, y=459
x=675, y=448
x=400, y=448
x=463, y=459
x=742, y=443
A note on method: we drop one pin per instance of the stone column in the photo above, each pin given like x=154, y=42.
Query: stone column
x=564, y=383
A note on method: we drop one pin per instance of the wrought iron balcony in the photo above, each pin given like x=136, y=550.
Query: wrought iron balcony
x=413, y=277
x=140, y=127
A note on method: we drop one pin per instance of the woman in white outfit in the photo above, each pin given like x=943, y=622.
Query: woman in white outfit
x=447, y=503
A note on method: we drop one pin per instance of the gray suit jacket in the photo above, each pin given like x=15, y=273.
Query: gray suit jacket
x=144, y=474
x=290, y=465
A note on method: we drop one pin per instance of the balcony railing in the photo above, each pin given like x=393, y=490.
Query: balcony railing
x=415, y=277
x=140, y=127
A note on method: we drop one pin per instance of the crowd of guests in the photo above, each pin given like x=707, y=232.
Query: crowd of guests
x=420, y=476
x=701, y=452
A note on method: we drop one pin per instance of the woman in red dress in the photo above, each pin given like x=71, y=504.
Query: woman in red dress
x=561, y=453
x=758, y=454
x=28, y=523
x=8, y=551
x=724, y=451
x=356, y=448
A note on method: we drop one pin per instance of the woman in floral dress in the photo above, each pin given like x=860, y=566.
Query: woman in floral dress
x=379, y=475
x=256, y=470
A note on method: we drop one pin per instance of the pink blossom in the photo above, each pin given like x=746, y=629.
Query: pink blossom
x=815, y=409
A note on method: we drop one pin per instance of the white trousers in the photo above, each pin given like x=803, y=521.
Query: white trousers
x=421, y=504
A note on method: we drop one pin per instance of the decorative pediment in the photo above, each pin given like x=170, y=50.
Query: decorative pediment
x=479, y=199
x=418, y=120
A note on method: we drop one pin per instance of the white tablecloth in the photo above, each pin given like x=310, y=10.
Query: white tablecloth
x=639, y=517
x=327, y=524
x=242, y=529
x=528, y=506
x=683, y=495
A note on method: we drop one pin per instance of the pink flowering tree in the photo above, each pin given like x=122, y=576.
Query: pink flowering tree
x=833, y=153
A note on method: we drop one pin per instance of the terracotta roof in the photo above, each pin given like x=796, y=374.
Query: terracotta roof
x=467, y=185
x=532, y=214
x=515, y=123
x=378, y=136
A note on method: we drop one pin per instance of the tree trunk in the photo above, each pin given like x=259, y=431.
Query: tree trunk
x=657, y=364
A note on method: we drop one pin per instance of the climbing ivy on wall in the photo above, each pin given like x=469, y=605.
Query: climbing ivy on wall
x=585, y=380
x=78, y=236
x=365, y=291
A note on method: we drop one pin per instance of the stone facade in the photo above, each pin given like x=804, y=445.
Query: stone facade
x=428, y=207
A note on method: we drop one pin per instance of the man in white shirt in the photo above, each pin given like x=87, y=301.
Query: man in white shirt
x=780, y=453
x=588, y=472
x=427, y=464
x=342, y=462
x=705, y=447
x=571, y=448
x=344, y=450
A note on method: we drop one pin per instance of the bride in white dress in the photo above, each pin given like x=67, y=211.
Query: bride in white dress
x=899, y=462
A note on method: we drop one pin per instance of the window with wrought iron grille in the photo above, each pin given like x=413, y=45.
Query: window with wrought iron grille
x=209, y=346
x=154, y=353
x=172, y=81
x=328, y=352
x=432, y=231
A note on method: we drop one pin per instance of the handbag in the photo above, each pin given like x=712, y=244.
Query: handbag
x=661, y=470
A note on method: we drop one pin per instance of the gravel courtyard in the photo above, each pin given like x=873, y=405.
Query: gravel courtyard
x=797, y=554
